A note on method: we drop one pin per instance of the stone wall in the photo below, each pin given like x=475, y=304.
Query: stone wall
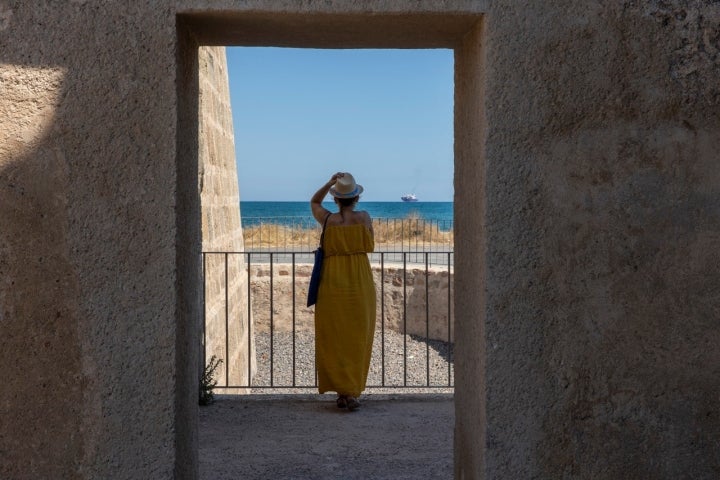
x=221, y=228
x=602, y=236
x=95, y=266
x=425, y=311
x=41, y=350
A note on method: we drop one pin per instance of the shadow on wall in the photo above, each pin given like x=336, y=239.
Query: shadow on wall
x=40, y=346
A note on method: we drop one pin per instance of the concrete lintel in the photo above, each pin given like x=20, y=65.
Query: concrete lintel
x=332, y=30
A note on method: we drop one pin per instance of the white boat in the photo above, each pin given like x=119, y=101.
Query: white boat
x=409, y=197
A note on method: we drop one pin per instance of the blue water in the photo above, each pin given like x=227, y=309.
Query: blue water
x=290, y=212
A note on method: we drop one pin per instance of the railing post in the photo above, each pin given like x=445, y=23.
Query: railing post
x=427, y=321
x=272, y=326
x=382, y=316
x=405, y=319
x=204, y=315
x=227, y=321
x=293, y=320
x=249, y=320
x=449, y=318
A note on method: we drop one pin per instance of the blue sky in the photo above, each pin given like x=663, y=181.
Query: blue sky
x=300, y=115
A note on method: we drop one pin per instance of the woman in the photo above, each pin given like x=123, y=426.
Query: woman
x=345, y=308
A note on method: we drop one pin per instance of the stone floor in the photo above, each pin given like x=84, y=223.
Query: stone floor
x=307, y=437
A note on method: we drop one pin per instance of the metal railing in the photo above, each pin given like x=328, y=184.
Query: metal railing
x=413, y=347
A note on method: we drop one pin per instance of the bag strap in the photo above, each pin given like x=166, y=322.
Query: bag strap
x=322, y=235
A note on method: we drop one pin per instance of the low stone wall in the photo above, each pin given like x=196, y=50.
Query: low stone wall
x=425, y=308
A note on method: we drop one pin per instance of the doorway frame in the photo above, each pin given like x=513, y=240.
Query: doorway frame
x=461, y=31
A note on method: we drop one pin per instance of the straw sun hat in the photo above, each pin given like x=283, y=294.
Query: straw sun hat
x=346, y=187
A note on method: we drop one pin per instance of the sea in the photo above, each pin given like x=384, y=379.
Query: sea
x=253, y=213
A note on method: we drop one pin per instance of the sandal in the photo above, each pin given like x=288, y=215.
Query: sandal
x=352, y=403
x=342, y=401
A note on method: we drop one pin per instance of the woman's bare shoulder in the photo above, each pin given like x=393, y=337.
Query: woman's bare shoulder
x=364, y=218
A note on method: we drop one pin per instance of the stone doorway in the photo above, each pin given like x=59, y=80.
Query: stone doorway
x=401, y=29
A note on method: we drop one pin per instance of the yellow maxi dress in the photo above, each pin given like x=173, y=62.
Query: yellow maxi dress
x=345, y=311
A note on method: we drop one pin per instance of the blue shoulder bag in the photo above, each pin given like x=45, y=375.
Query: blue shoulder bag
x=317, y=269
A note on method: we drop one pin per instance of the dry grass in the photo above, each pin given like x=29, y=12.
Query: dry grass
x=273, y=235
x=411, y=230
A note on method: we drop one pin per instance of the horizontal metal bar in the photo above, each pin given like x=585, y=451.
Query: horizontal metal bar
x=314, y=387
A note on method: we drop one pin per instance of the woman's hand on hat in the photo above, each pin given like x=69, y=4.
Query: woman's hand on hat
x=334, y=178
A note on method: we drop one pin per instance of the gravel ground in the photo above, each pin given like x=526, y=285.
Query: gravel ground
x=411, y=364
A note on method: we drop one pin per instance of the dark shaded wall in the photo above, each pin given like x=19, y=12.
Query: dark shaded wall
x=90, y=282
x=603, y=233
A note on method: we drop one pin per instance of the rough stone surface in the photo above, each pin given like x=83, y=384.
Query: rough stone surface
x=587, y=228
x=89, y=269
x=602, y=193
x=225, y=296
x=38, y=315
x=471, y=271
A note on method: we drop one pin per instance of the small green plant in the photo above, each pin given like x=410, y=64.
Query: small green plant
x=208, y=382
